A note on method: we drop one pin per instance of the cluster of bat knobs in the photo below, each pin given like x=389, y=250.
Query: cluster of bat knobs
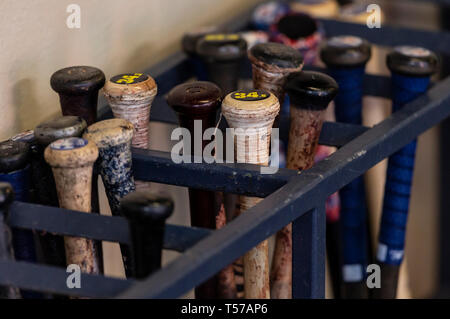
x=57, y=164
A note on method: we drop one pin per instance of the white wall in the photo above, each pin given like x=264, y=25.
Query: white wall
x=115, y=35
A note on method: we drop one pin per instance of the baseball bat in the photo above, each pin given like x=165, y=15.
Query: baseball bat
x=251, y=113
x=316, y=8
x=45, y=133
x=309, y=94
x=15, y=169
x=197, y=102
x=271, y=63
x=346, y=58
x=6, y=247
x=411, y=69
x=113, y=139
x=131, y=96
x=223, y=55
x=72, y=160
x=301, y=32
x=146, y=215
x=189, y=46
x=78, y=88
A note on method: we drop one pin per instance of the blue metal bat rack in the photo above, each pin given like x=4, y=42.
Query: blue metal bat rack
x=289, y=196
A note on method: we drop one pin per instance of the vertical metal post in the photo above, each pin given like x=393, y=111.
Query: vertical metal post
x=308, y=255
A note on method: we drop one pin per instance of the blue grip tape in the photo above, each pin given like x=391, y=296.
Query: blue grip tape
x=348, y=109
x=399, y=178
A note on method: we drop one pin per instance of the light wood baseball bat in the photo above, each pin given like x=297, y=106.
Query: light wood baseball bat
x=252, y=113
x=72, y=160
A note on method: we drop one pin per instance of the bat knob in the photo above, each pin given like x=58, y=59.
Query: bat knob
x=6, y=196
x=195, y=99
x=218, y=47
x=109, y=133
x=14, y=155
x=276, y=54
x=77, y=80
x=130, y=85
x=190, y=39
x=345, y=51
x=71, y=152
x=311, y=90
x=146, y=215
x=412, y=61
x=61, y=127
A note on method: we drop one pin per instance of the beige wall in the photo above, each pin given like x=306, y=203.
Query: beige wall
x=115, y=35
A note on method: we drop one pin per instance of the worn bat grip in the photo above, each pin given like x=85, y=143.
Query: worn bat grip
x=346, y=57
x=409, y=80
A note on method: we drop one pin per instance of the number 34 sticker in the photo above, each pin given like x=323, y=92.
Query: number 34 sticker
x=254, y=95
x=129, y=78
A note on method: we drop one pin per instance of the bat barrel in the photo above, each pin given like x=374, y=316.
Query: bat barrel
x=411, y=68
x=146, y=216
x=271, y=63
x=223, y=55
x=252, y=113
x=78, y=88
x=346, y=57
x=6, y=247
x=316, y=8
x=72, y=160
x=113, y=139
x=197, y=102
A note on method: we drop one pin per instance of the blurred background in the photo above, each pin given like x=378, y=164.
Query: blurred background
x=130, y=36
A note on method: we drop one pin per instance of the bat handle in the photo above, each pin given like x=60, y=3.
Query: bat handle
x=72, y=161
x=203, y=100
x=78, y=88
x=411, y=69
x=6, y=248
x=146, y=215
x=348, y=109
x=113, y=139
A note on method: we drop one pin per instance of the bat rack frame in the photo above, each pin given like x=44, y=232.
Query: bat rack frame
x=288, y=195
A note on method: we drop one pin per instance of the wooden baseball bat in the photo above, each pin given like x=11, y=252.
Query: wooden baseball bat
x=6, y=247
x=147, y=215
x=309, y=94
x=252, y=113
x=72, y=160
x=411, y=69
x=131, y=96
x=346, y=58
x=223, y=55
x=15, y=169
x=78, y=88
x=189, y=46
x=45, y=133
x=113, y=139
x=199, y=101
